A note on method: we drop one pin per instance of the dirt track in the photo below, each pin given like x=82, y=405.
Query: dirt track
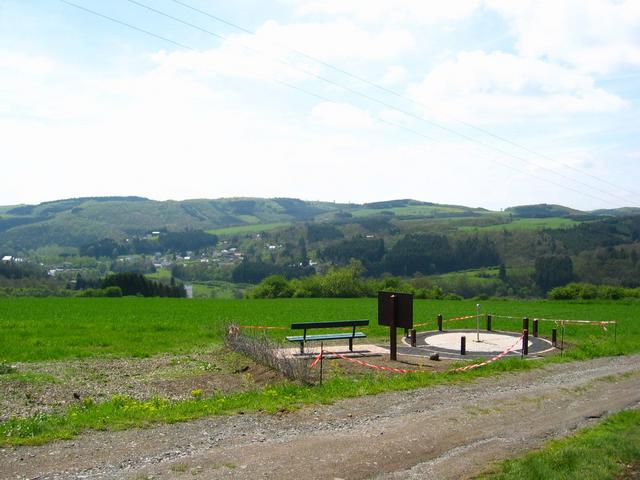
x=442, y=432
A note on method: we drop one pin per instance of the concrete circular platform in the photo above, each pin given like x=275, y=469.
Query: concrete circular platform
x=447, y=344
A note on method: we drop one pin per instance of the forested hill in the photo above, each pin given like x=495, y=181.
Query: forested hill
x=80, y=221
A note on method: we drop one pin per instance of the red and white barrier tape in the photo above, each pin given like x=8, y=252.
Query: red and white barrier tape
x=591, y=322
x=491, y=360
x=263, y=327
x=376, y=367
x=455, y=319
x=360, y=362
x=317, y=359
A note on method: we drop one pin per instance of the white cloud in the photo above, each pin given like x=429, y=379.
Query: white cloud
x=31, y=65
x=501, y=87
x=340, y=115
x=592, y=35
x=394, y=75
x=410, y=11
x=269, y=54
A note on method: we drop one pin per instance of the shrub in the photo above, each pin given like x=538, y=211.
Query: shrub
x=275, y=286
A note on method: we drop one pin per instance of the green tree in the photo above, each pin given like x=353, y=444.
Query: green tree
x=553, y=271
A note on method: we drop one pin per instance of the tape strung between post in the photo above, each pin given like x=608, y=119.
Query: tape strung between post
x=491, y=360
x=467, y=317
x=402, y=370
x=364, y=364
x=585, y=322
x=317, y=359
x=263, y=327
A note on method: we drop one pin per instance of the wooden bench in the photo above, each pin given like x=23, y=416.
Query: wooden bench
x=327, y=336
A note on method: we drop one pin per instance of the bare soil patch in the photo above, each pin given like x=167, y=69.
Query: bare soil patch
x=51, y=386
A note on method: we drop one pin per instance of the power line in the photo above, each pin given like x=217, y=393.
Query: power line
x=421, y=134
x=127, y=25
x=366, y=96
x=406, y=98
x=403, y=127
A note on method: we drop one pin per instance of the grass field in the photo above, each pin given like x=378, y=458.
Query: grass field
x=413, y=210
x=607, y=450
x=527, y=224
x=33, y=329
x=253, y=228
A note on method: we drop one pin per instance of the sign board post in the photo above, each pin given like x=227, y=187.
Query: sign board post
x=395, y=310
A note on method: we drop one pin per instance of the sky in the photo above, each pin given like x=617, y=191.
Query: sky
x=488, y=103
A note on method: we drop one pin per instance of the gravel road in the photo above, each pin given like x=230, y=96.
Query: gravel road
x=449, y=431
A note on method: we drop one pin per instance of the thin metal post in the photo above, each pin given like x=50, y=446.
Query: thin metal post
x=535, y=327
x=562, y=341
x=525, y=342
x=554, y=337
x=321, y=359
x=439, y=323
x=477, y=322
x=525, y=323
x=463, y=345
x=488, y=322
x=413, y=337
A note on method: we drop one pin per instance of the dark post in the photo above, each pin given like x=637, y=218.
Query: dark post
x=554, y=337
x=463, y=345
x=488, y=322
x=525, y=342
x=440, y=323
x=525, y=323
x=562, y=341
x=535, y=327
x=393, y=346
x=413, y=337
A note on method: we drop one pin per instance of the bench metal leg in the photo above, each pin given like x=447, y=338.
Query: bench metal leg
x=301, y=347
x=351, y=344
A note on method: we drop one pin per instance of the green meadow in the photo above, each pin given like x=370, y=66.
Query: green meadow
x=249, y=229
x=608, y=450
x=33, y=329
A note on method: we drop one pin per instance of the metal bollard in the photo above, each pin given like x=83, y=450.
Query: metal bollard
x=554, y=337
x=525, y=342
x=463, y=345
x=413, y=337
x=535, y=327
x=439, y=323
x=525, y=323
x=488, y=323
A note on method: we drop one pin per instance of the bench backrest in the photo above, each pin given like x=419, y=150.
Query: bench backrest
x=331, y=324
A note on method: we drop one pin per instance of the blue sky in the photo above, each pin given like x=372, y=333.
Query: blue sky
x=489, y=103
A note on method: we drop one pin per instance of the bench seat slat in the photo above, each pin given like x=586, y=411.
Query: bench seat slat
x=326, y=336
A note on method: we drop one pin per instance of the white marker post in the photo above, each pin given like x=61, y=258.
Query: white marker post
x=477, y=322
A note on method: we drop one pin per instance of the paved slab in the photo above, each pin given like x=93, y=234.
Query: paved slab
x=330, y=351
x=447, y=344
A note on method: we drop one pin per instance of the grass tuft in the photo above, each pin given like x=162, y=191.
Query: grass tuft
x=597, y=453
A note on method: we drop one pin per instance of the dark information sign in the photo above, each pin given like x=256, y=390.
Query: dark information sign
x=395, y=309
